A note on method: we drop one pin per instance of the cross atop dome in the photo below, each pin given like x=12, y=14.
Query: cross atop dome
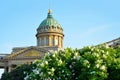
x=49, y=14
x=49, y=11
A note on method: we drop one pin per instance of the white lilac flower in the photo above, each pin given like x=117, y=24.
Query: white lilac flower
x=70, y=66
x=47, y=79
x=88, y=66
x=60, y=62
x=60, y=78
x=85, y=62
x=74, y=57
x=41, y=74
x=98, y=50
x=92, y=49
x=73, y=74
x=76, y=54
x=24, y=72
x=103, y=67
x=62, y=71
x=49, y=54
x=97, y=65
x=89, y=47
x=36, y=71
x=46, y=62
x=49, y=73
x=107, y=53
x=52, y=79
x=26, y=77
x=42, y=65
x=76, y=78
x=52, y=69
x=104, y=56
x=99, y=61
x=67, y=74
x=95, y=54
x=102, y=51
x=92, y=72
x=53, y=55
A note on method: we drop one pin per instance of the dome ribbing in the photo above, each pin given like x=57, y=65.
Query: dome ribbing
x=49, y=22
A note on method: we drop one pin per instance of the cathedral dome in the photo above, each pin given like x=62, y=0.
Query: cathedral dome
x=50, y=33
x=49, y=24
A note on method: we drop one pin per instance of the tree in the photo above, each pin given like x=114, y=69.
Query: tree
x=88, y=63
x=17, y=73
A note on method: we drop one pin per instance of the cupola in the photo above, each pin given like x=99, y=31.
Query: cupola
x=50, y=32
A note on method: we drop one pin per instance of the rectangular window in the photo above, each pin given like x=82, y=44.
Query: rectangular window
x=47, y=41
x=42, y=41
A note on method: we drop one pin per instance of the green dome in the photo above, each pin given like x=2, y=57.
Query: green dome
x=49, y=21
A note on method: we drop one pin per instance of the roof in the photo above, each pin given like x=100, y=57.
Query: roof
x=115, y=42
x=49, y=21
x=12, y=55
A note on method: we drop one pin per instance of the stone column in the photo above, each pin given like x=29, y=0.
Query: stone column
x=59, y=42
x=44, y=40
x=9, y=68
x=54, y=40
x=40, y=41
x=49, y=40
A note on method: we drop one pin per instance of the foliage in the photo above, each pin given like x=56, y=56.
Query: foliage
x=88, y=63
x=17, y=73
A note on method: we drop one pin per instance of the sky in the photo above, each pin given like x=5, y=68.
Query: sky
x=85, y=22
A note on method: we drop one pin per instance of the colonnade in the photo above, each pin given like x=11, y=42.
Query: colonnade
x=50, y=40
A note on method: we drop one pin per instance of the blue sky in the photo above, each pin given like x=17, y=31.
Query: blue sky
x=85, y=22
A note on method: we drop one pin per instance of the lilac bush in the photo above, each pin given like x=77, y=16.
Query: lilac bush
x=89, y=63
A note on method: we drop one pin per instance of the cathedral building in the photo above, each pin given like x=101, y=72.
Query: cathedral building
x=113, y=43
x=49, y=37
